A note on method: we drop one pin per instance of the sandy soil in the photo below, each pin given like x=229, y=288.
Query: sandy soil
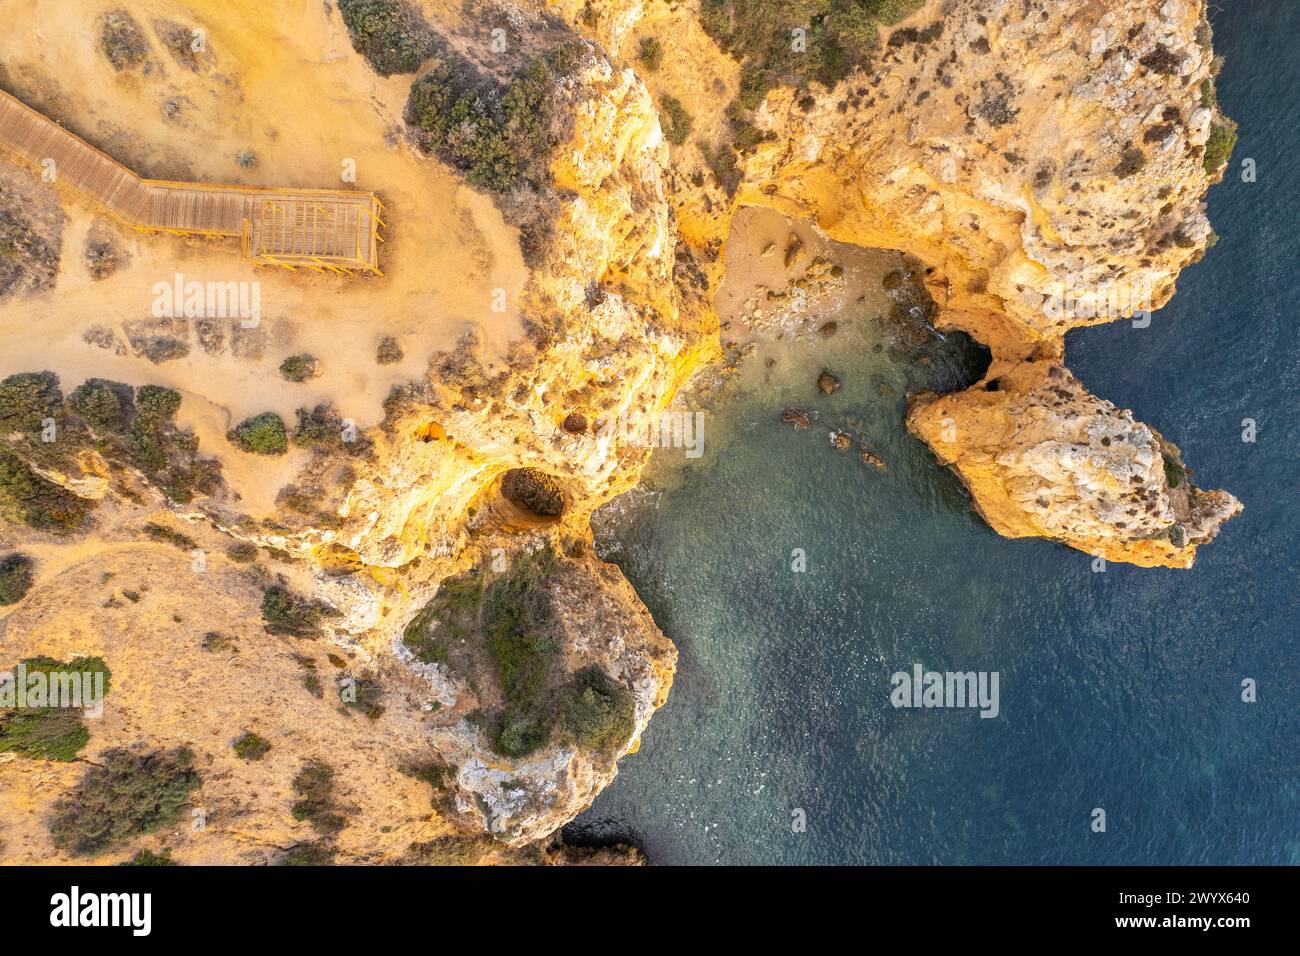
x=282, y=81
x=756, y=251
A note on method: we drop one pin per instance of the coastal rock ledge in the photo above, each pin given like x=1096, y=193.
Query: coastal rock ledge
x=1048, y=163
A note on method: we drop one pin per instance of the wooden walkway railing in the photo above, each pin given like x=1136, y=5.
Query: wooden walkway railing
x=323, y=229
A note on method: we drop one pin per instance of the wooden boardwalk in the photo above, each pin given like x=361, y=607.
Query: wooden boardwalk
x=322, y=229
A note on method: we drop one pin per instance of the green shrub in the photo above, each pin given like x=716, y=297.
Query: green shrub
x=1219, y=147
x=317, y=853
x=679, y=122
x=150, y=858
x=168, y=455
x=454, y=613
x=242, y=552
x=51, y=733
x=650, y=53
x=437, y=775
x=598, y=713
x=450, y=850
x=251, y=747
x=151, y=434
x=1209, y=96
x=16, y=578
x=300, y=368
x=127, y=794
x=365, y=697
x=122, y=40
x=78, y=665
x=497, y=137
x=1174, y=472
x=314, y=787
x=157, y=403
x=36, y=501
x=521, y=641
x=45, y=733
x=323, y=428
x=842, y=34
x=168, y=536
x=262, y=434
x=218, y=643
x=27, y=399
x=283, y=612
x=104, y=405
x=390, y=34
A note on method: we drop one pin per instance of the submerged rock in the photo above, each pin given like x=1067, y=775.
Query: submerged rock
x=828, y=383
x=869, y=457
x=798, y=417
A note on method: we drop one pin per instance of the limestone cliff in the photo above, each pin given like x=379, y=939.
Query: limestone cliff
x=1047, y=163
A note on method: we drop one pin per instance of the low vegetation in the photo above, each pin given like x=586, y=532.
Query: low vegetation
x=391, y=34
x=1175, y=473
x=104, y=405
x=242, y=552
x=29, y=255
x=314, y=788
x=389, y=351
x=450, y=850
x=35, y=501
x=16, y=577
x=131, y=426
x=102, y=258
x=126, y=794
x=650, y=53
x=437, y=775
x=315, y=853
x=122, y=40
x=501, y=624
x=598, y=712
x=499, y=136
x=46, y=733
x=51, y=733
x=300, y=368
x=262, y=434
x=323, y=429
x=285, y=613
x=1219, y=147
x=27, y=399
x=251, y=747
x=677, y=123
x=166, y=535
x=150, y=858
x=841, y=35
x=364, y=694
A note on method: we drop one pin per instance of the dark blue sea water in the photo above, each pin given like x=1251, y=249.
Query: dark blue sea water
x=1119, y=690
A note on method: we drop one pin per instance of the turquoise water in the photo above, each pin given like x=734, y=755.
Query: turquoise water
x=1118, y=690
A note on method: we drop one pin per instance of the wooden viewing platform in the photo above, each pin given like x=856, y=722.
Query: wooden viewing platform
x=323, y=229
